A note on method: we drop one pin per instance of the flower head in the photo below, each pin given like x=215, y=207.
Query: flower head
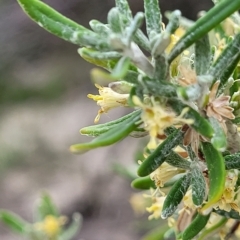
x=156, y=208
x=164, y=173
x=157, y=117
x=229, y=199
x=218, y=107
x=51, y=225
x=108, y=99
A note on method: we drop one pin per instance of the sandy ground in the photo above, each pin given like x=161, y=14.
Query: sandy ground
x=40, y=136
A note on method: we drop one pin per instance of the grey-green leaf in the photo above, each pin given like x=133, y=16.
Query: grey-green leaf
x=124, y=8
x=219, y=139
x=176, y=160
x=59, y=25
x=96, y=130
x=160, y=154
x=232, y=161
x=202, y=55
x=153, y=17
x=110, y=137
x=175, y=196
x=114, y=20
x=198, y=185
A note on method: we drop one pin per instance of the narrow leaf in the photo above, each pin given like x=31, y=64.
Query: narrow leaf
x=160, y=154
x=134, y=26
x=173, y=23
x=153, y=17
x=124, y=8
x=219, y=139
x=110, y=137
x=97, y=55
x=203, y=25
x=232, y=161
x=143, y=183
x=200, y=124
x=198, y=223
x=227, y=61
x=216, y=172
x=14, y=222
x=96, y=130
x=141, y=40
x=175, y=196
x=176, y=160
x=100, y=28
x=114, y=20
x=86, y=54
x=161, y=70
x=59, y=25
x=198, y=185
x=231, y=214
x=121, y=87
x=120, y=70
x=162, y=88
x=202, y=55
x=46, y=207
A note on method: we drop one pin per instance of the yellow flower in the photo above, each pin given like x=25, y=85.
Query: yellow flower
x=156, y=208
x=187, y=200
x=138, y=203
x=218, y=107
x=164, y=173
x=229, y=199
x=175, y=38
x=157, y=117
x=108, y=99
x=51, y=225
x=220, y=45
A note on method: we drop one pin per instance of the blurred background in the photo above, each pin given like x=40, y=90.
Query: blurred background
x=43, y=104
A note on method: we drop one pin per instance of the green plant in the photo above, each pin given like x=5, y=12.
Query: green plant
x=185, y=95
x=48, y=223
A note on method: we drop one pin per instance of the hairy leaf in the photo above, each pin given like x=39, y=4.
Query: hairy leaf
x=175, y=196
x=160, y=154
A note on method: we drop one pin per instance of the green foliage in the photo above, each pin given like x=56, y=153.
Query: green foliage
x=157, y=157
x=175, y=196
x=182, y=81
x=198, y=223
